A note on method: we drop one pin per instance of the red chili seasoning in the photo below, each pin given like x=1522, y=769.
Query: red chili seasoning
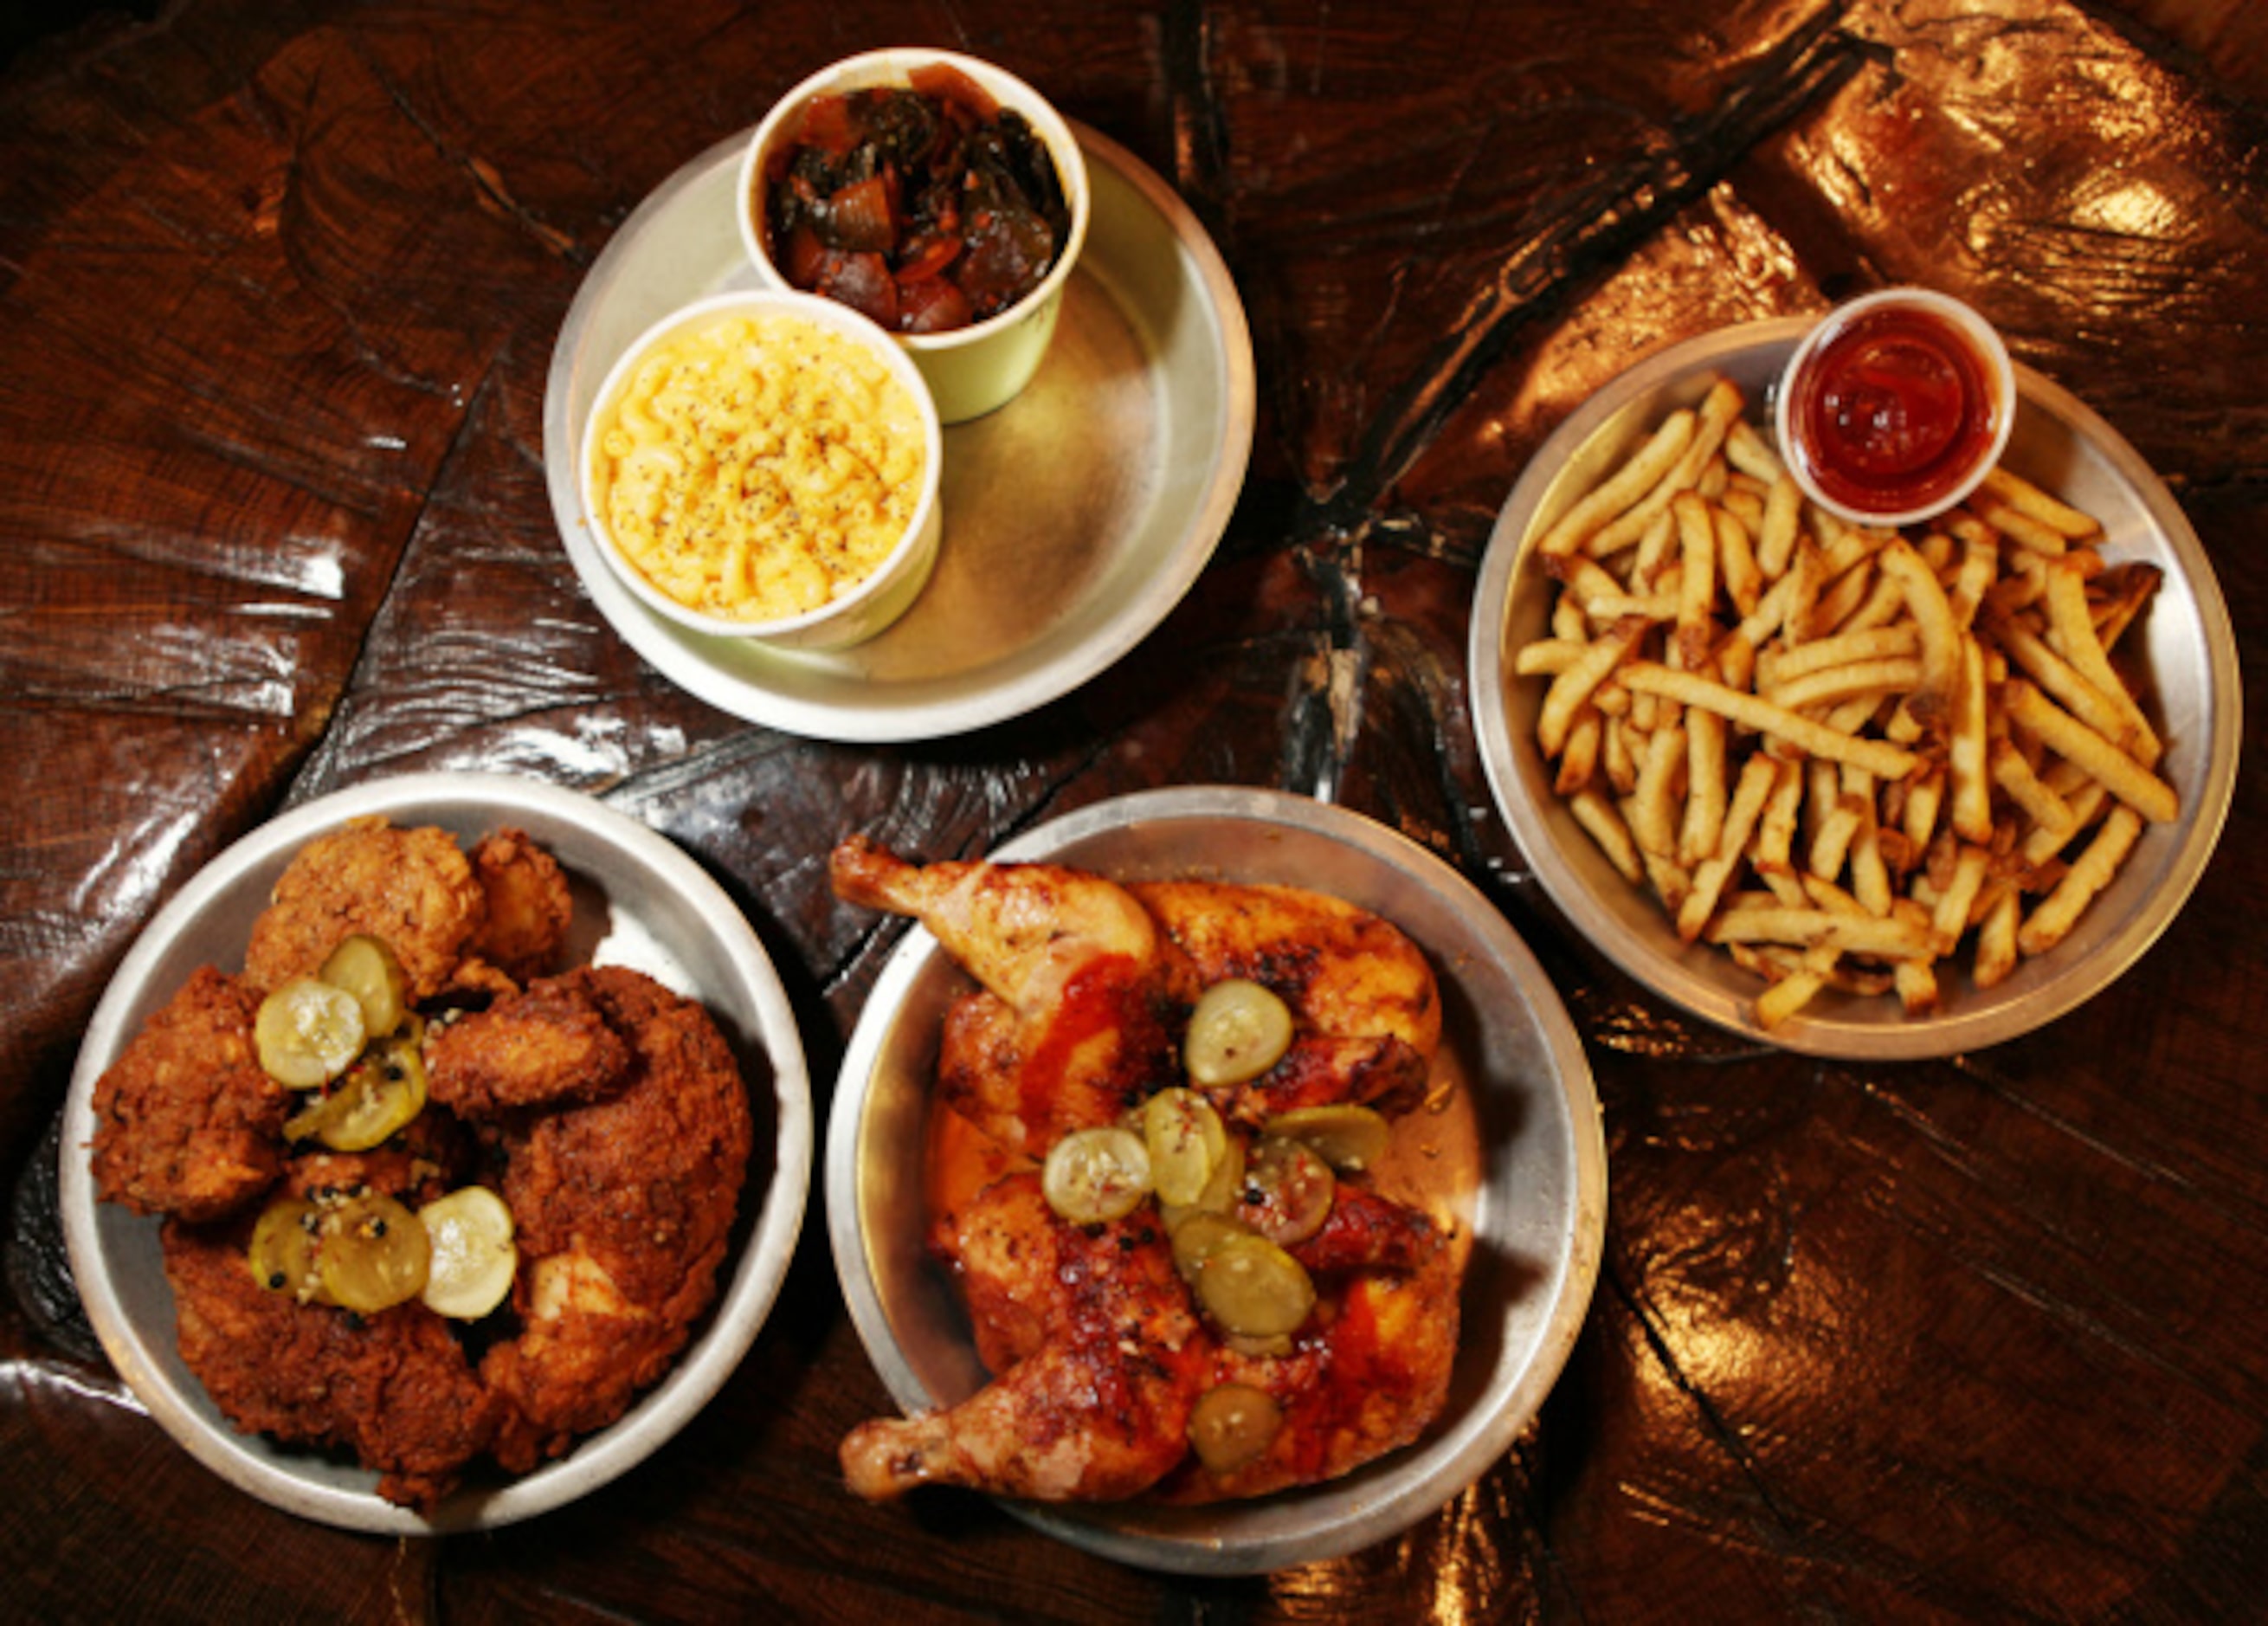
x=1893, y=411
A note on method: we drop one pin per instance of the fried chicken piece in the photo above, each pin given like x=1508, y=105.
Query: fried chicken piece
x=413, y=887
x=393, y=1387
x=624, y=1207
x=529, y=905
x=550, y=1044
x=1098, y=1358
x=187, y=1122
x=428, y=1158
x=1069, y=1030
x=1366, y=1010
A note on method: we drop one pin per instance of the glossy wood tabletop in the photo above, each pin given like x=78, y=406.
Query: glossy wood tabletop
x=1979, y=1338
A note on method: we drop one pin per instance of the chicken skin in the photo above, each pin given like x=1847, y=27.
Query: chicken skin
x=1101, y=1360
x=550, y=1044
x=1098, y=1348
x=1363, y=1000
x=186, y=1121
x=1068, y=1030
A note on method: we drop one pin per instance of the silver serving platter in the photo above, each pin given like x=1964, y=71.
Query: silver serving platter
x=2193, y=695
x=639, y=902
x=1510, y=1152
x=1076, y=517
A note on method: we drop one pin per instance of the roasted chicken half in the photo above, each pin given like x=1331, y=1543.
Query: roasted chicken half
x=1115, y=1355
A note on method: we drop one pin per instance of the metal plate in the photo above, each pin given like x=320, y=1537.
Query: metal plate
x=1518, y=1146
x=1076, y=516
x=639, y=902
x=2193, y=694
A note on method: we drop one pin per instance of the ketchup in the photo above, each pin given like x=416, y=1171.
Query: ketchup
x=1894, y=411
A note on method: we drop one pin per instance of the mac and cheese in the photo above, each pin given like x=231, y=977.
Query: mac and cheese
x=758, y=466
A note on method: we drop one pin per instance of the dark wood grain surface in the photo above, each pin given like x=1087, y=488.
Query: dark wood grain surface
x=1981, y=1339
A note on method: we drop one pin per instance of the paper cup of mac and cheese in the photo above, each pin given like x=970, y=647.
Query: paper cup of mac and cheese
x=766, y=465
x=938, y=193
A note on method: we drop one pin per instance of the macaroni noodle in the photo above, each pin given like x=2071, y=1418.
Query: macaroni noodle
x=758, y=466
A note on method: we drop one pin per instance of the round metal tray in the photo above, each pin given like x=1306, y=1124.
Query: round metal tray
x=2188, y=653
x=1514, y=1159
x=1076, y=517
x=639, y=902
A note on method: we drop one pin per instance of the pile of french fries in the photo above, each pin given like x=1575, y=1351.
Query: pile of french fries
x=1839, y=752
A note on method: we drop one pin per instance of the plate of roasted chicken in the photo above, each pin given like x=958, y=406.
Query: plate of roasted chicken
x=436, y=1153
x=1213, y=1177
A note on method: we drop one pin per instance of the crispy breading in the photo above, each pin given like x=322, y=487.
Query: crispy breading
x=624, y=1208
x=394, y=1387
x=550, y=1044
x=186, y=1121
x=413, y=887
x=529, y=904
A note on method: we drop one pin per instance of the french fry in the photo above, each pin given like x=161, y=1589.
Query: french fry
x=2119, y=773
x=1649, y=811
x=1704, y=822
x=1752, y=712
x=2071, y=634
x=2048, y=925
x=1597, y=816
x=1697, y=585
x=1797, y=988
x=2021, y=527
x=1758, y=777
x=1579, y=756
x=1939, y=633
x=1996, y=941
x=1747, y=451
x=1736, y=562
x=1573, y=684
x=1775, y=537
x=2020, y=494
x=1968, y=772
x=1627, y=484
x=1892, y=937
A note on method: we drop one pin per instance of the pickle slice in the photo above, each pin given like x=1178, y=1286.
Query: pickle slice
x=283, y=1248
x=1288, y=1191
x=1220, y=1192
x=473, y=1254
x=1253, y=1289
x=1238, y=1031
x=1196, y=1237
x=1232, y=1425
x=1095, y=1175
x=1348, y=1137
x=374, y=1254
x=386, y=1090
x=365, y=967
x=307, y=1033
x=1186, y=1141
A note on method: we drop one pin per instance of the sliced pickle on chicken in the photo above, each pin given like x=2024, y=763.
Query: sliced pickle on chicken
x=385, y=1091
x=1253, y=1289
x=473, y=1254
x=283, y=1248
x=1220, y=1192
x=1095, y=1175
x=1196, y=1237
x=1238, y=1031
x=365, y=967
x=308, y=1032
x=1186, y=1140
x=1273, y=1348
x=374, y=1255
x=1233, y=1425
x=1348, y=1137
x=1287, y=1193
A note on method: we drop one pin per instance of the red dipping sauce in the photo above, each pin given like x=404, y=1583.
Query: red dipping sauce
x=1894, y=412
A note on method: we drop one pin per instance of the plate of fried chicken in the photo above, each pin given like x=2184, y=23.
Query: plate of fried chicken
x=1213, y=1176
x=437, y=1153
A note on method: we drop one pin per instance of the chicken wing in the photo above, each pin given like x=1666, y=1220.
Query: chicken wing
x=1099, y=1357
x=1068, y=1030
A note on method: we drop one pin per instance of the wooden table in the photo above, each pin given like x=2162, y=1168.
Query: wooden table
x=1981, y=1338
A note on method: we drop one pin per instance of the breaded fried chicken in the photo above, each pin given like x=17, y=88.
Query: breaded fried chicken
x=414, y=889
x=624, y=1207
x=550, y=1044
x=186, y=1121
x=394, y=1386
x=529, y=905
